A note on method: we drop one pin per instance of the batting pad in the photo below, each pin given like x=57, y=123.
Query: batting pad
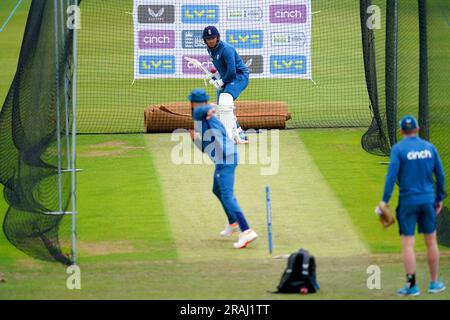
x=251, y=115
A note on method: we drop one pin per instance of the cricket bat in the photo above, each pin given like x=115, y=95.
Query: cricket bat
x=200, y=66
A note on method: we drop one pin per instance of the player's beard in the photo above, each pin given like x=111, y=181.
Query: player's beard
x=215, y=46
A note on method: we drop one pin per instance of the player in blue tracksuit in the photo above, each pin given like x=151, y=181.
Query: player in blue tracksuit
x=413, y=162
x=234, y=79
x=214, y=141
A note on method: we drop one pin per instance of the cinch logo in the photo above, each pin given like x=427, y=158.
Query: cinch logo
x=192, y=39
x=244, y=13
x=288, y=13
x=189, y=68
x=156, y=14
x=156, y=64
x=291, y=64
x=288, y=39
x=200, y=14
x=424, y=154
x=156, y=39
x=245, y=39
x=255, y=63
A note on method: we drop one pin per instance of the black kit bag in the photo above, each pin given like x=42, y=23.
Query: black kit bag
x=300, y=274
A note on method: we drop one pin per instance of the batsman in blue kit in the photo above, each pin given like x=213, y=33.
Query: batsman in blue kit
x=234, y=76
x=413, y=163
x=214, y=141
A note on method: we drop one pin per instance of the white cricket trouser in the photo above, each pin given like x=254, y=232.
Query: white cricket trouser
x=225, y=113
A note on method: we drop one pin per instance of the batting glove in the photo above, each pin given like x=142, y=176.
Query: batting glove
x=216, y=83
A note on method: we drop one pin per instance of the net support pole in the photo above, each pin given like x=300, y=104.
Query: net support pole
x=391, y=69
x=58, y=102
x=424, y=108
x=66, y=88
x=74, y=142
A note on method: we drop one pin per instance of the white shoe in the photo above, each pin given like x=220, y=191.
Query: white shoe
x=245, y=238
x=230, y=229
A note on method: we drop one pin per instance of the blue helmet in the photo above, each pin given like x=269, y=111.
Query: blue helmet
x=210, y=32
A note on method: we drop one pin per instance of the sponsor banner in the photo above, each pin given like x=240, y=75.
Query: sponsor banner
x=288, y=13
x=273, y=37
x=156, y=65
x=189, y=68
x=202, y=14
x=255, y=63
x=192, y=39
x=245, y=39
x=156, y=14
x=244, y=13
x=156, y=39
x=288, y=38
x=288, y=64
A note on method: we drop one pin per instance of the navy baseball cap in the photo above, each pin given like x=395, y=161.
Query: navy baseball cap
x=408, y=123
x=198, y=95
x=210, y=32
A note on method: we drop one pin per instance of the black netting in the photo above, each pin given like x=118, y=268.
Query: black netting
x=416, y=78
x=375, y=139
x=391, y=63
x=443, y=227
x=438, y=49
x=28, y=135
x=424, y=107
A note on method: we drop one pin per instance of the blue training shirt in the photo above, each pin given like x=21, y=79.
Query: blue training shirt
x=227, y=62
x=413, y=162
x=214, y=139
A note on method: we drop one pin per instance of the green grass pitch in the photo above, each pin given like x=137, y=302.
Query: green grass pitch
x=147, y=226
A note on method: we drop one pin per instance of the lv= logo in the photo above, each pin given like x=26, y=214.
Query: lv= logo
x=286, y=64
x=200, y=13
x=167, y=64
x=253, y=38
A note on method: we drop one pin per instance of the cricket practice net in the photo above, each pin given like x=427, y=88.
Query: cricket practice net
x=32, y=117
x=305, y=54
x=313, y=64
x=407, y=66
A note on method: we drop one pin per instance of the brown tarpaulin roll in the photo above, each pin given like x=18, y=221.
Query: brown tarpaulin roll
x=251, y=115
